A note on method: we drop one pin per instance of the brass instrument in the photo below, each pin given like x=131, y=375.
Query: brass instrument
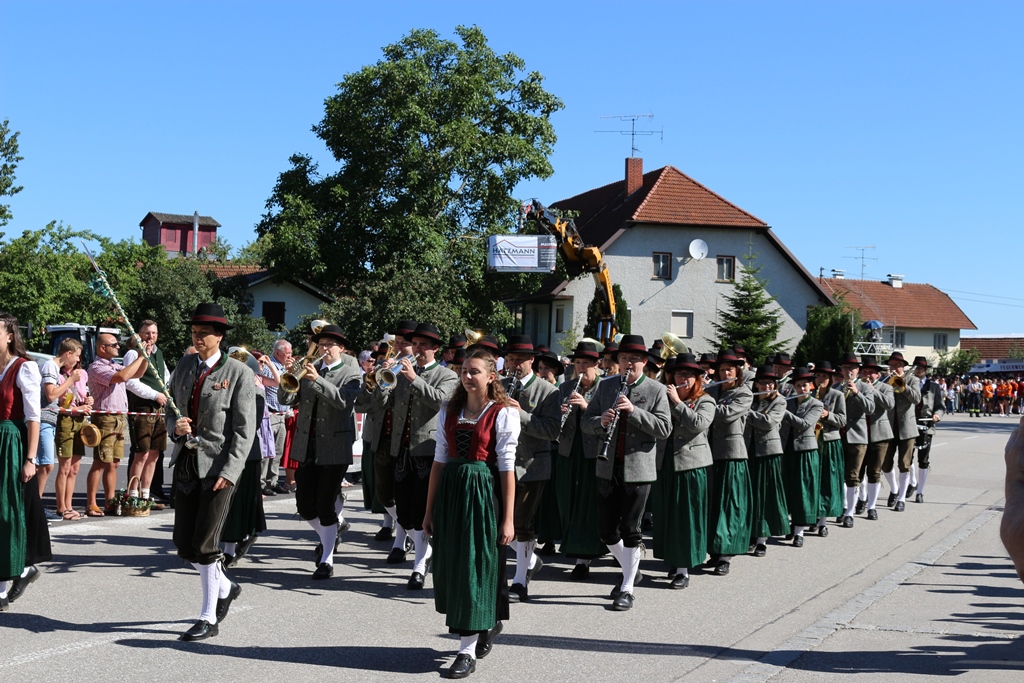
x=290, y=380
x=472, y=336
x=240, y=353
x=898, y=384
x=673, y=346
x=595, y=342
x=380, y=375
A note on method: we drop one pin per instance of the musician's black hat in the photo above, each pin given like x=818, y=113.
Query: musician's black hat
x=210, y=314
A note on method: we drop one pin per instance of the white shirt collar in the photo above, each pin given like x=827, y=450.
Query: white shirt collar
x=211, y=362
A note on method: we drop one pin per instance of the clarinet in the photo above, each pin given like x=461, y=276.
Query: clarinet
x=568, y=408
x=623, y=390
x=515, y=387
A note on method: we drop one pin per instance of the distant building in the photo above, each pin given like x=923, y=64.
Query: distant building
x=918, y=319
x=1010, y=346
x=645, y=225
x=279, y=303
x=174, y=232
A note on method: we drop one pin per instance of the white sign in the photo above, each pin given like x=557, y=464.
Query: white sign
x=1000, y=365
x=521, y=253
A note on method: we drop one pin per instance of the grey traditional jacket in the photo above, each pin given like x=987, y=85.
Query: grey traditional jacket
x=649, y=421
x=730, y=423
x=539, y=416
x=904, y=413
x=565, y=439
x=763, y=424
x=835, y=403
x=331, y=401
x=858, y=407
x=226, y=419
x=420, y=400
x=690, y=447
x=879, y=428
x=932, y=404
x=798, y=424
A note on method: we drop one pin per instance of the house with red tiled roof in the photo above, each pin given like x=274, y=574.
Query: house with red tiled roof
x=675, y=248
x=995, y=348
x=919, y=319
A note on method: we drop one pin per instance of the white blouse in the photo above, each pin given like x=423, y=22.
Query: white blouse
x=30, y=382
x=507, y=425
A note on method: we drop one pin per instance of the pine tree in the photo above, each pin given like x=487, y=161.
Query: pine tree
x=622, y=322
x=751, y=319
x=831, y=331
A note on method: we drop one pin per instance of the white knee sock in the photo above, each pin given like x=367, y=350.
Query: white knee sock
x=225, y=583
x=328, y=534
x=209, y=577
x=3, y=589
x=522, y=562
x=630, y=568
x=922, y=477
x=618, y=551
x=873, y=491
x=862, y=490
x=467, y=645
x=904, y=483
x=399, y=531
x=530, y=547
x=424, y=551
x=890, y=479
x=388, y=522
x=230, y=548
x=682, y=571
x=851, y=501
x=822, y=521
x=913, y=473
x=585, y=563
x=761, y=540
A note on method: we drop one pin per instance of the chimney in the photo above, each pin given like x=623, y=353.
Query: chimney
x=896, y=281
x=838, y=274
x=195, y=233
x=634, y=174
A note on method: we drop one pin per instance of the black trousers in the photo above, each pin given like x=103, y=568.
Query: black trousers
x=620, y=508
x=412, y=479
x=316, y=488
x=924, y=450
x=199, y=512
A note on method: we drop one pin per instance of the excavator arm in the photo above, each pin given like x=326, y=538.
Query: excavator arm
x=579, y=258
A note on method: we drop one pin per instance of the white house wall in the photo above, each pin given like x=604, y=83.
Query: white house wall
x=297, y=302
x=692, y=286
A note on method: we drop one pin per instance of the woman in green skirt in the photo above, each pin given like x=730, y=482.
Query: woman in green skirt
x=681, y=492
x=470, y=503
x=830, y=445
x=801, y=465
x=20, y=410
x=770, y=515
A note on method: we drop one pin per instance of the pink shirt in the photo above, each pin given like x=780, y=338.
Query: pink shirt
x=108, y=397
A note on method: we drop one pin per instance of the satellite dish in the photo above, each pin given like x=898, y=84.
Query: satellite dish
x=698, y=249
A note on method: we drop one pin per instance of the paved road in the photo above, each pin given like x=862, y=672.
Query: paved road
x=927, y=594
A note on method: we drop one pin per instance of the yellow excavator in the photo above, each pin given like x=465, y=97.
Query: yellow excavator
x=579, y=258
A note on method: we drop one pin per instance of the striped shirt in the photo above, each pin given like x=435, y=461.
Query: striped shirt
x=108, y=397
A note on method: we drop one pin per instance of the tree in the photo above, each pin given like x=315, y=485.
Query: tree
x=751, y=319
x=831, y=331
x=9, y=159
x=431, y=141
x=622, y=321
x=956, y=363
x=1016, y=351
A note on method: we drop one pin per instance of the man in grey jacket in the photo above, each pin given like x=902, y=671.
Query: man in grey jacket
x=217, y=399
x=879, y=433
x=904, y=423
x=630, y=414
x=860, y=403
x=930, y=411
x=324, y=435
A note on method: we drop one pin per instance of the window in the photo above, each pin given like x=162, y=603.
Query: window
x=726, y=268
x=940, y=341
x=898, y=339
x=560, y=319
x=682, y=324
x=662, y=263
x=273, y=313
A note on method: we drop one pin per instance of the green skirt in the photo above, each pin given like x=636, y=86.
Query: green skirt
x=369, y=481
x=729, y=509
x=576, y=490
x=549, y=522
x=832, y=479
x=680, y=509
x=466, y=569
x=771, y=515
x=246, y=517
x=802, y=474
x=12, y=506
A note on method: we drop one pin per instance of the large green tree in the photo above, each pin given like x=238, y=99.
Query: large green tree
x=751, y=318
x=831, y=331
x=430, y=142
x=622, y=321
x=9, y=159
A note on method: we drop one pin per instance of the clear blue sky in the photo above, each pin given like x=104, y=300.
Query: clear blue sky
x=840, y=124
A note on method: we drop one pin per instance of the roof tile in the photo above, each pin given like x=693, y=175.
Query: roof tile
x=912, y=306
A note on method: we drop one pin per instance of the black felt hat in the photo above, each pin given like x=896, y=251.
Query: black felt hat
x=405, y=328
x=333, y=332
x=520, y=343
x=802, y=374
x=210, y=314
x=426, y=331
x=586, y=351
x=682, y=361
x=549, y=359
x=849, y=358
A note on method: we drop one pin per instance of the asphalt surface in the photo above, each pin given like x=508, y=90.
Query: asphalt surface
x=927, y=594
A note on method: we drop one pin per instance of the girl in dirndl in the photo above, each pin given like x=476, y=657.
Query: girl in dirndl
x=801, y=463
x=764, y=444
x=469, y=509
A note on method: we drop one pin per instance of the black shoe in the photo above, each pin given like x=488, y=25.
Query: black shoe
x=323, y=571
x=623, y=601
x=5, y=604
x=798, y=541
x=847, y=522
x=911, y=490
x=722, y=568
x=462, y=666
x=244, y=545
x=517, y=592
x=679, y=582
x=618, y=587
x=900, y=507
x=760, y=550
x=343, y=526
x=839, y=519
x=396, y=556
x=861, y=505
x=580, y=572
x=486, y=641
x=416, y=582
x=224, y=604
x=536, y=568
x=267, y=491
x=228, y=561
x=278, y=488
x=385, y=533
x=547, y=549
x=201, y=631
x=873, y=514
x=823, y=531
x=891, y=501
x=919, y=498
x=19, y=584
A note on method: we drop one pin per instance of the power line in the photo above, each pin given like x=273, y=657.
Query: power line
x=994, y=296
x=991, y=303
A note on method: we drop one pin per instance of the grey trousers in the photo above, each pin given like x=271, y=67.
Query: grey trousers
x=270, y=467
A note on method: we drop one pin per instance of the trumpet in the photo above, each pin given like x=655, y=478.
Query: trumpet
x=898, y=384
x=290, y=380
x=385, y=378
x=373, y=379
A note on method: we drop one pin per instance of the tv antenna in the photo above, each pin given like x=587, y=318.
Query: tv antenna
x=633, y=132
x=863, y=258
